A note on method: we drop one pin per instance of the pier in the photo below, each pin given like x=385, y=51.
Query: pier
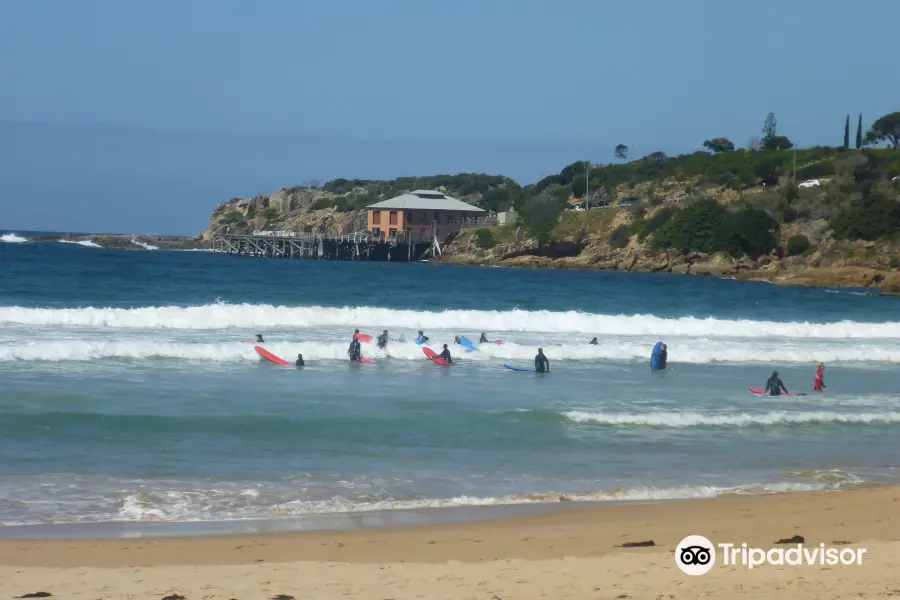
x=354, y=246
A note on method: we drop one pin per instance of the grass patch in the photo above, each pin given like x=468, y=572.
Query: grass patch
x=580, y=224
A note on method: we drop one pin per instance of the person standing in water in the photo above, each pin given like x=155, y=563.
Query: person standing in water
x=774, y=385
x=355, y=351
x=422, y=338
x=819, y=384
x=541, y=364
x=300, y=362
x=383, y=339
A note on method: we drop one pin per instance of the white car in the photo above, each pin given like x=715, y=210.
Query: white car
x=810, y=183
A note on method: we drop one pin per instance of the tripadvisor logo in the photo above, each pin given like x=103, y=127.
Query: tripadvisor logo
x=697, y=555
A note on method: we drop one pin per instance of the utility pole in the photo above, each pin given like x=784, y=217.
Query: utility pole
x=795, y=167
x=587, y=186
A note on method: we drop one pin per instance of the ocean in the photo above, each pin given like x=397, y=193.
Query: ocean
x=129, y=394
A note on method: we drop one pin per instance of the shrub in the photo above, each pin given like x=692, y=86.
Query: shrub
x=645, y=227
x=708, y=227
x=270, y=213
x=321, y=204
x=788, y=213
x=797, y=244
x=484, y=239
x=868, y=218
x=619, y=237
x=540, y=215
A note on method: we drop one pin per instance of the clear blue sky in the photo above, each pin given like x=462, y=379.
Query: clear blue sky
x=558, y=81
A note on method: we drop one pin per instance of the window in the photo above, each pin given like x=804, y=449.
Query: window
x=376, y=217
x=393, y=217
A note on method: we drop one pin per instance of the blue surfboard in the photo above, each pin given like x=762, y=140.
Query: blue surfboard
x=465, y=343
x=512, y=368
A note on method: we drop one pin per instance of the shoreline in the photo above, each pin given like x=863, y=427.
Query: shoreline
x=578, y=553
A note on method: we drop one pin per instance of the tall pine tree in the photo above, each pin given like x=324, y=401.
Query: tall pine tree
x=847, y=133
x=859, y=133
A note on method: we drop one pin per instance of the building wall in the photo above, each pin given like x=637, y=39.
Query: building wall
x=418, y=223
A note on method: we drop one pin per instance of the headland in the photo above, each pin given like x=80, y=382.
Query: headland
x=818, y=217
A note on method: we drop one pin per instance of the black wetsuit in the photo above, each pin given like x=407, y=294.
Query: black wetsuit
x=484, y=339
x=594, y=342
x=300, y=362
x=382, y=340
x=354, y=351
x=663, y=357
x=446, y=355
x=774, y=386
x=541, y=364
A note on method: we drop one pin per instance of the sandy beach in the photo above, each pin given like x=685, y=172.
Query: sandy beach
x=568, y=554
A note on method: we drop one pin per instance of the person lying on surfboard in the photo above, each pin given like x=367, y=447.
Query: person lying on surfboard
x=541, y=364
x=774, y=385
x=446, y=355
x=300, y=362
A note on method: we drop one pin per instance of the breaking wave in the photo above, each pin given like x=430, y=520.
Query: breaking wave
x=694, y=419
x=262, y=316
x=12, y=238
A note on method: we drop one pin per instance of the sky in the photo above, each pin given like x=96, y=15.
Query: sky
x=142, y=116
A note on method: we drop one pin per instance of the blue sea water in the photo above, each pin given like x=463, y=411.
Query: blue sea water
x=129, y=392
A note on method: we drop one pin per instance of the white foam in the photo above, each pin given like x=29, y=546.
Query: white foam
x=694, y=419
x=92, y=348
x=262, y=316
x=143, y=245
x=12, y=238
x=86, y=243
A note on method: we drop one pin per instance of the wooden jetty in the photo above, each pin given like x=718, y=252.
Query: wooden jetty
x=354, y=246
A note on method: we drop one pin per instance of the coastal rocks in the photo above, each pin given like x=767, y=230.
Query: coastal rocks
x=717, y=265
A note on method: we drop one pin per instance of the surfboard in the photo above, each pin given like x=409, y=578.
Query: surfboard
x=434, y=357
x=368, y=361
x=364, y=337
x=760, y=392
x=512, y=368
x=271, y=357
x=465, y=343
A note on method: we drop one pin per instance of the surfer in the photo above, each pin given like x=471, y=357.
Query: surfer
x=774, y=385
x=446, y=355
x=300, y=362
x=383, y=339
x=259, y=339
x=819, y=384
x=355, y=352
x=356, y=334
x=422, y=338
x=663, y=356
x=594, y=342
x=541, y=364
x=658, y=357
x=484, y=339
x=456, y=340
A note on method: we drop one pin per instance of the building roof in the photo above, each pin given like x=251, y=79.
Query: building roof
x=425, y=200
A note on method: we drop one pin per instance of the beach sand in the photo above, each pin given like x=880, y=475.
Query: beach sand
x=567, y=554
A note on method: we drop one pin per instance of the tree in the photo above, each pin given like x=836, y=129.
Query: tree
x=847, y=133
x=859, y=135
x=770, y=128
x=887, y=129
x=541, y=214
x=779, y=142
x=720, y=144
x=622, y=152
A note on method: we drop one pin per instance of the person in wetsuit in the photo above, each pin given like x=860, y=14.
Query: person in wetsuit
x=484, y=339
x=383, y=339
x=541, y=364
x=300, y=362
x=594, y=342
x=663, y=357
x=819, y=383
x=774, y=385
x=355, y=351
x=446, y=355
x=259, y=339
x=355, y=333
x=422, y=338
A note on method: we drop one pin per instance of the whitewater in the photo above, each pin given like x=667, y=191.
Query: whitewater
x=132, y=391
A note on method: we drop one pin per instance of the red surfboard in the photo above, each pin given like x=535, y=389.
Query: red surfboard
x=760, y=392
x=434, y=357
x=368, y=361
x=364, y=337
x=271, y=357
